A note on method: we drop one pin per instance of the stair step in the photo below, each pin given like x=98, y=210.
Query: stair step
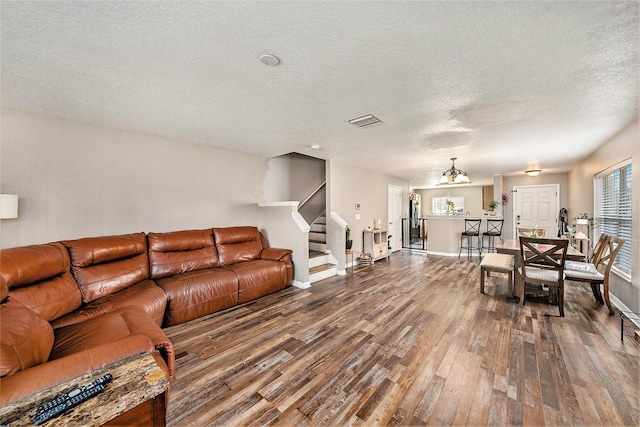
x=319, y=259
x=318, y=246
x=315, y=254
x=320, y=268
x=316, y=241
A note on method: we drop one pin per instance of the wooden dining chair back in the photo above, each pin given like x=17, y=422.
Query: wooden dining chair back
x=528, y=231
x=597, y=273
x=542, y=262
x=599, y=249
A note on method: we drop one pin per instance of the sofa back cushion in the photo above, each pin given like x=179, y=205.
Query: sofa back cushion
x=26, y=339
x=108, y=264
x=38, y=276
x=181, y=251
x=237, y=244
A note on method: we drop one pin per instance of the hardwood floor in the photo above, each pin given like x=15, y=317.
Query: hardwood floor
x=409, y=341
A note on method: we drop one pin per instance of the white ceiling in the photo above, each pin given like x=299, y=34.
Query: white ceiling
x=500, y=85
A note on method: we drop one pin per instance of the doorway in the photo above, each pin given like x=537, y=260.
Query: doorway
x=536, y=207
x=395, y=217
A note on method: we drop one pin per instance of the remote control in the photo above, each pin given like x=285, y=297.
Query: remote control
x=68, y=400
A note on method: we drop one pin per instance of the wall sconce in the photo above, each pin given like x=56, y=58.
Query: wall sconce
x=8, y=206
x=533, y=172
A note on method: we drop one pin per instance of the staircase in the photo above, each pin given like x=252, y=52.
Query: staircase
x=321, y=264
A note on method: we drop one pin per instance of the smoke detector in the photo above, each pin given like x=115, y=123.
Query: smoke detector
x=269, y=59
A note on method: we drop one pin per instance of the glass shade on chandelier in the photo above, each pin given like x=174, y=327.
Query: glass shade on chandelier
x=453, y=175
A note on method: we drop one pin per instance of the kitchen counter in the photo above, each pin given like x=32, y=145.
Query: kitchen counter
x=444, y=233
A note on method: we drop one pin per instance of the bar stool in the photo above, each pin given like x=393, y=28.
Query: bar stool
x=494, y=229
x=471, y=230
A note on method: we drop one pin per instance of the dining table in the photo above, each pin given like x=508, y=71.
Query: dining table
x=512, y=247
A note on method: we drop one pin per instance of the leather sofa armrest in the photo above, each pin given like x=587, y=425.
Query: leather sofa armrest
x=50, y=374
x=274, y=254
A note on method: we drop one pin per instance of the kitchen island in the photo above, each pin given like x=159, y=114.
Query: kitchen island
x=445, y=230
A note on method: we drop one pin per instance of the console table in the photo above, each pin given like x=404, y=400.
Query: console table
x=136, y=396
x=374, y=242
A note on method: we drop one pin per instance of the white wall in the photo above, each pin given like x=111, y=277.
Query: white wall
x=472, y=198
x=622, y=146
x=509, y=182
x=292, y=177
x=77, y=180
x=347, y=185
x=283, y=227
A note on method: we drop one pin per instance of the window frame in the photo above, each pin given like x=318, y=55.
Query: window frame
x=438, y=204
x=620, y=186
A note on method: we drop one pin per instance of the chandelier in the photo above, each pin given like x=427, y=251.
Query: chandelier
x=453, y=175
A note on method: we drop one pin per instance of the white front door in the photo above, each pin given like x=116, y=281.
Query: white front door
x=395, y=217
x=537, y=207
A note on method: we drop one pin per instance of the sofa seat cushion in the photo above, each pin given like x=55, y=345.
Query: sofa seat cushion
x=258, y=278
x=25, y=339
x=111, y=328
x=198, y=293
x=145, y=295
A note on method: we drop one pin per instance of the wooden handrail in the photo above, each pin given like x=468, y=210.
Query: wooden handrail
x=313, y=193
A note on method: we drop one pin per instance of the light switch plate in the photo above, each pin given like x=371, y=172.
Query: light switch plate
x=357, y=216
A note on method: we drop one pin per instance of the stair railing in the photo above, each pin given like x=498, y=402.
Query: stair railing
x=313, y=193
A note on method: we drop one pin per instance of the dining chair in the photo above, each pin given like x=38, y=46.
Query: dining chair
x=528, y=231
x=599, y=248
x=543, y=262
x=494, y=229
x=471, y=230
x=597, y=273
x=500, y=263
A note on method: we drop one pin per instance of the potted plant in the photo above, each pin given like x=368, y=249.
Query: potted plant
x=349, y=241
x=450, y=207
x=583, y=219
x=492, y=206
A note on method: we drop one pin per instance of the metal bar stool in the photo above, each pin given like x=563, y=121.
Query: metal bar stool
x=494, y=229
x=471, y=230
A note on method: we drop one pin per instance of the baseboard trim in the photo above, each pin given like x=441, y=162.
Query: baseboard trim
x=620, y=306
x=449, y=254
x=301, y=285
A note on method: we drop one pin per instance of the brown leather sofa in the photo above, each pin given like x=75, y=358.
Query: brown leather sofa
x=72, y=307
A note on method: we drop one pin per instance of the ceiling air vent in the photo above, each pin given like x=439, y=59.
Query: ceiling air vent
x=365, y=121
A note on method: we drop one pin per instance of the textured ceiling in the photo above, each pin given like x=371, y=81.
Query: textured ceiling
x=500, y=85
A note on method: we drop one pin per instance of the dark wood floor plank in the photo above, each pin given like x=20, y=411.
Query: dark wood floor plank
x=409, y=341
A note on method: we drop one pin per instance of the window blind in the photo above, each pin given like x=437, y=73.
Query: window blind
x=613, y=209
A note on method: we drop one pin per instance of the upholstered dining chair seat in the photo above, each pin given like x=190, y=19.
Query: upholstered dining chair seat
x=498, y=262
x=540, y=274
x=501, y=263
x=582, y=270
